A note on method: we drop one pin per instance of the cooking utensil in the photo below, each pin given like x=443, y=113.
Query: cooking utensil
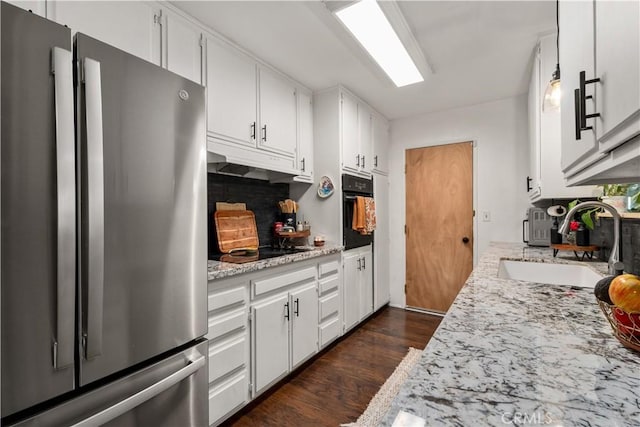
x=236, y=230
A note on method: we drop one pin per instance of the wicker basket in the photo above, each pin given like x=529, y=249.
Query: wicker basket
x=626, y=326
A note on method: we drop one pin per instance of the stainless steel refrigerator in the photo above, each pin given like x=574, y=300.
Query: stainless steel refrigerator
x=103, y=237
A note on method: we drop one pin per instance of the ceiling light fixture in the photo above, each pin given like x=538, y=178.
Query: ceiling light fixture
x=552, y=94
x=369, y=25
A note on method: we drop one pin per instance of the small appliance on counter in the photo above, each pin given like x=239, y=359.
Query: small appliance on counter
x=536, y=229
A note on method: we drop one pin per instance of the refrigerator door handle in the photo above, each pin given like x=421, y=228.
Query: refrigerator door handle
x=95, y=191
x=61, y=67
x=144, y=395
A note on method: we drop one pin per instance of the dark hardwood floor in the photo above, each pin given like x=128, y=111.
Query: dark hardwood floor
x=336, y=386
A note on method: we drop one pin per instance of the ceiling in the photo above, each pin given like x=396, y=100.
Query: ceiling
x=479, y=51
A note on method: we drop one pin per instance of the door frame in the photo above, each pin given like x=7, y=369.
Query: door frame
x=474, y=173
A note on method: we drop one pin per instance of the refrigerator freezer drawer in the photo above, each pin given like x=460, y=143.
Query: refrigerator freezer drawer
x=171, y=392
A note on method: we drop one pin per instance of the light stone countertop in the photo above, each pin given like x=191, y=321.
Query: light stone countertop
x=519, y=353
x=221, y=270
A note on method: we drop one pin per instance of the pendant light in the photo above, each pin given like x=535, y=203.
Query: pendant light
x=551, y=99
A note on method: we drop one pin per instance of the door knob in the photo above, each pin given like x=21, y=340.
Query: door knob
x=465, y=239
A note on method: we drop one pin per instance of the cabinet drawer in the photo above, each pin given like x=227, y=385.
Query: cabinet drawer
x=327, y=268
x=263, y=286
x=221, y=325
x=226, y=357
x=226, y=298
x=329, y=284
x=329, y=305
x=329, y=331
x=228, y=396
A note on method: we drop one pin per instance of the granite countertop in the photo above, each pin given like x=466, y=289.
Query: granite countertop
x=220, y=270
x=518, y=353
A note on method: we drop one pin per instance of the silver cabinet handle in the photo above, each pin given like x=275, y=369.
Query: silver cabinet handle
x=95, y=184
x=264, y=133
x=363, y=160
x=142, y=396
x=364, y=266
x=375, y=160
x=303, y=164
x=359, y=263
x=62, y=61
x=358, y=160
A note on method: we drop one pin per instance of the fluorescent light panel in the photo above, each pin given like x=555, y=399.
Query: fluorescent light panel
x=371, y=28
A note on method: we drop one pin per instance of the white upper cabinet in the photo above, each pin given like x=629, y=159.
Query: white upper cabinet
x=576, y=54
x=617, y=28
x=380, y=137
x=254, y=113
x=364, y=127
x=305, y=135
x=231, y=94
x=546, y=180
x=356, y=135
x=182, y=50
x=36, y=6
x=350, y=133
x=277, y=114
x=600, y=62
x=131, y=26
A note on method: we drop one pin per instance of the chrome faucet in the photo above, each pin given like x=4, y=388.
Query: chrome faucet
x=615, y=250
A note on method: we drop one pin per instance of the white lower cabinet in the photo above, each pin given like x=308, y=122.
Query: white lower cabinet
x=285, y=322
x=228, y=335
x=329, y=286
x=271, y=341
x=357, y=285
x=264, y=324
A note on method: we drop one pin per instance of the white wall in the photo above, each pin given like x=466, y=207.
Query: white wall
x=501, y=165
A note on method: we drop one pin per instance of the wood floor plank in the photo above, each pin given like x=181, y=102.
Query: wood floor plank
x=337, y=385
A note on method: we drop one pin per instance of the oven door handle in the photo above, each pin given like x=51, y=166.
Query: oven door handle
x=523, y=239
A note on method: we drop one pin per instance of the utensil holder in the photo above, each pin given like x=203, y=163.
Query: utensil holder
x=289, y=219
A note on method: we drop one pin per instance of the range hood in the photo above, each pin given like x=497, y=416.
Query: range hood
x=249, y=165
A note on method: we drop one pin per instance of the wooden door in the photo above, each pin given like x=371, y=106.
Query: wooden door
x=439, y=235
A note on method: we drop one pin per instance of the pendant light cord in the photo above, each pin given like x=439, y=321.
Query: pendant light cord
x=558, y=32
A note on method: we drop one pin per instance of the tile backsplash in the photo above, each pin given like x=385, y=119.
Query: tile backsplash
x=602, y=236
x=260, y=196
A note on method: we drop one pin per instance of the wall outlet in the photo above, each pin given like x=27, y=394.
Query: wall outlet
x=486, y=216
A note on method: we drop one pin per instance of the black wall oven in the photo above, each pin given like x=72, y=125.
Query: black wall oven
x=353, y=186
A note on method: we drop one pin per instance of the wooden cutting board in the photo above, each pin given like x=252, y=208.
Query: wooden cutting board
x=236, y=230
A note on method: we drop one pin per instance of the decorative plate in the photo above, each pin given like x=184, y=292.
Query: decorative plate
x=325, y=187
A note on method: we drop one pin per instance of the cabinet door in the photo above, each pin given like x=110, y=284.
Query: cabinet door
x=277, y=114
x=36, y=6
x=270, y=341
x=618, y=66
x=366, y=284
x=576, y=55
x=183, y=47
x=351, y=286
x=304, y=324
x=231, y=94
x=380, y=137
x=349, y=133
x=305, y=134
x=381, y=294
x=534, y=108
x=130, y=26
x=365, y=141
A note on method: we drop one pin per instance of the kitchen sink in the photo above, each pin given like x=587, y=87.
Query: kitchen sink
x=548, y=273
